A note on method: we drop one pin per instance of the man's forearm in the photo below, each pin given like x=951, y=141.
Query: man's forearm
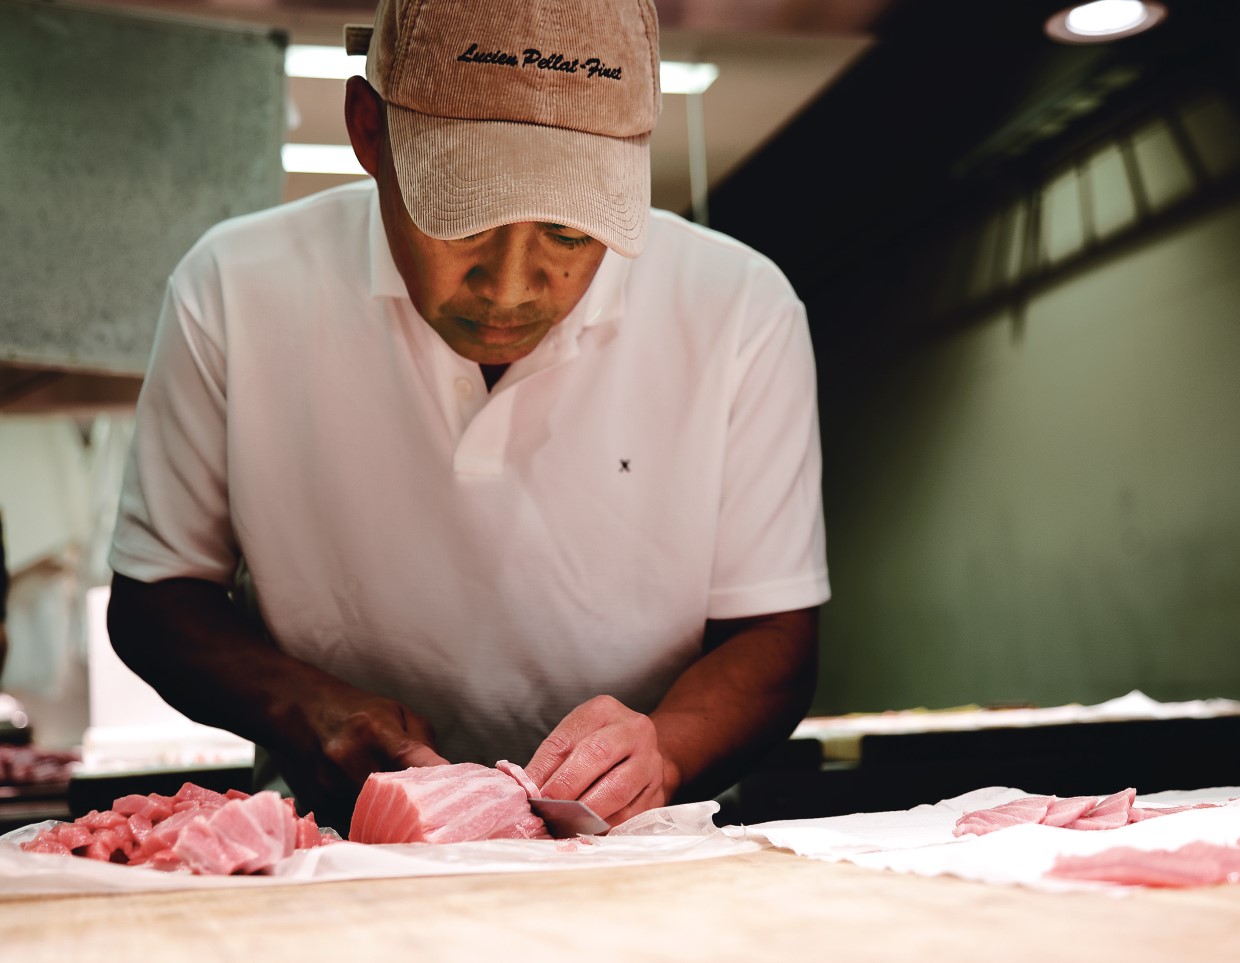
x=749, y=690
x=204, y=657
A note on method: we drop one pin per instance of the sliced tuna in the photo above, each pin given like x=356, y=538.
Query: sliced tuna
x=1195, y=864
x=1028, y=809
x=1063, y=811
x=1111, y=813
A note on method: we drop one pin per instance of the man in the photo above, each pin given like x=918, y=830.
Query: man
x=506, y=484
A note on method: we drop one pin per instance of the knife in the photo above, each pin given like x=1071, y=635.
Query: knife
x=566, y=818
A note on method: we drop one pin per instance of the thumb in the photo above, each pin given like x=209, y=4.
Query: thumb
x=418, y=754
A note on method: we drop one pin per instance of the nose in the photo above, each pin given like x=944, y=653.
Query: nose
x=508, y=272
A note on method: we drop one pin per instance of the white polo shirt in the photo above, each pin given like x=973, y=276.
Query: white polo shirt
x=491, y=560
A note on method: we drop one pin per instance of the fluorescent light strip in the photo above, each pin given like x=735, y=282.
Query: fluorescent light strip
x=332, y=63
x=320, y=159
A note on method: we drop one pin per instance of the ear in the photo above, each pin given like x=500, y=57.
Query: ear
x=363, y=115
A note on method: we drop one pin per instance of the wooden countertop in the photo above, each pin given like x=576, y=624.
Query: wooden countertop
x=766, y=905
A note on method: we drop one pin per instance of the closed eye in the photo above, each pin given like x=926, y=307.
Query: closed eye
x=560, y=235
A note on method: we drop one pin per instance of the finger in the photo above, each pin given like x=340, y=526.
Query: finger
x=624, y=790
x=556, y=750
x=406, y=746
x=557, y=747
x=649, y=798
x=418, y=754
x=386, y=751
x=589, y=761
x=546, y=760
x=593, y=765
x=391, y=739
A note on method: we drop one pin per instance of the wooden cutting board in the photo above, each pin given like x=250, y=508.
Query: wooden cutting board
x=766, y=905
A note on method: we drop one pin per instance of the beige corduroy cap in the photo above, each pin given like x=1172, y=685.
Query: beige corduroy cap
x=502, y=111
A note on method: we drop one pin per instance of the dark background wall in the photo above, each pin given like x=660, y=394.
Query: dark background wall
x=1021, y=266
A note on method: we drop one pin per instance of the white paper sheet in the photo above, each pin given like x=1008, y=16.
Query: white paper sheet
x=672, y=834
x=921, y=841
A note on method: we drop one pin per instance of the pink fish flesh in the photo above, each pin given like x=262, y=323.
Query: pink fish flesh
x=1194, y=864
x=446, y=804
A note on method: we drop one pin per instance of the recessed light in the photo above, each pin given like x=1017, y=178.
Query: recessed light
x=1104, y=20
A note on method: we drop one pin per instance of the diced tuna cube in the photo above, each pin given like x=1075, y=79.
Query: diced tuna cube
x=200, y=794
x=73, y=835
x=46, y=843
x=101, y=820
x=308, y=835
x=105, y=845
x=139, y=826
x=133, y=803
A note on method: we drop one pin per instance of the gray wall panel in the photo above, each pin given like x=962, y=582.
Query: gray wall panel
x=122, y=138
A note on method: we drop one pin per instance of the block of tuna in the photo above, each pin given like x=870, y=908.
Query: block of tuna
x=446, y=804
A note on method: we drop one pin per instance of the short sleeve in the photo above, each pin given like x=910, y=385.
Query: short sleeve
x=771, y=548
x=173, y=519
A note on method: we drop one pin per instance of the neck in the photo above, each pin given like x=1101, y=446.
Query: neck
x=491, y=373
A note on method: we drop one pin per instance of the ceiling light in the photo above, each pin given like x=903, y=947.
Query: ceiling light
x=1104, y=20
x=326, y=63
x=332, y=63
x=677, y=77
x=320, y=159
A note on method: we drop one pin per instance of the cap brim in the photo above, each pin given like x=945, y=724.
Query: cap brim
x=460, y=177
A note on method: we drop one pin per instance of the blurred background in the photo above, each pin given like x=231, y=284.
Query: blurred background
x=1019, y=256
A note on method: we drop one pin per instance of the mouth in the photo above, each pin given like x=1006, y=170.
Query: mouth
x=497, y=334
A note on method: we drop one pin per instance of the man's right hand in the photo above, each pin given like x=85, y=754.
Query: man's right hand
x=338, y=736
x=189, y=641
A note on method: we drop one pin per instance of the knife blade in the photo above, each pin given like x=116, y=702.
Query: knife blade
x=566, y=818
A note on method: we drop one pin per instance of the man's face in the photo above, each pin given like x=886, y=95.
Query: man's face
x=491, y=296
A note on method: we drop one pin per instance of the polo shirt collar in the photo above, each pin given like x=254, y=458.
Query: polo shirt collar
x=604, y=298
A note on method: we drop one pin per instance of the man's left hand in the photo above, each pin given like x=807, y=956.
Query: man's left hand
x=607, y=756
